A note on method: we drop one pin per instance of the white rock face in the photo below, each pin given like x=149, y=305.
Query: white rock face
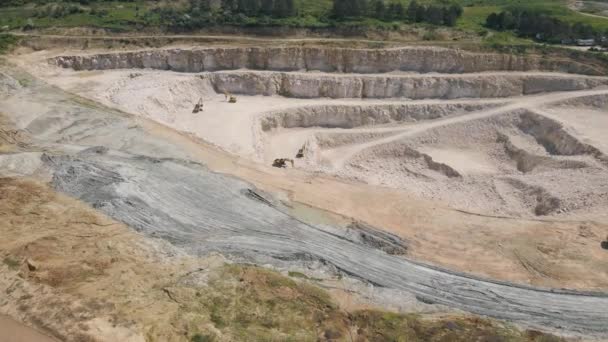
x=358, y=116
x=417, y=59
x=313, y=85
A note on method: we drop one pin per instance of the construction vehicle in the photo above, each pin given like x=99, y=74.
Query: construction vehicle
x=282, y=162
x=229, y=97
x=198, y=107
x=301, y=152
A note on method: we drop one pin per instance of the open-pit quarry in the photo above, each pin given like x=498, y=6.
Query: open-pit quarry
x=426, y=179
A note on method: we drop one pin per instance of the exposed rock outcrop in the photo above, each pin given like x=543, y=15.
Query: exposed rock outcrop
x=539, y=199
x=598, y=102
x=419, y=59
x=338, y=116
x=528, y=162
x=313, y=85
x=554, y=138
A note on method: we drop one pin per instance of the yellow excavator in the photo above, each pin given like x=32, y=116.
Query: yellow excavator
x=229, y=97
x=282, y=162
x=301, y=151
x=198, y=107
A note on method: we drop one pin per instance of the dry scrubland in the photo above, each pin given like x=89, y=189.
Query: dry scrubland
x=492, y=166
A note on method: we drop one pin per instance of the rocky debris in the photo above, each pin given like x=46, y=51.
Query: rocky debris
x=418, y=59
x=326, y=140
x=203, y=212
x=8, y=84
x=542, y=202
x=528, y=162
x=555, y=139
x=376, y=238
x=552, y=136
x=20, y=163
x=406, y=154
x=256, y=195
x=31, y=265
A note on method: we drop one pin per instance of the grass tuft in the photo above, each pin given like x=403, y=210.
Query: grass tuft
x=13, y=264
x=255, y=304
x=7, y=41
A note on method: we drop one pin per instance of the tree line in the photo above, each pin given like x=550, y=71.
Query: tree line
x=541, y=26
x=199, y=14
x=204, y=13
x=394, y=10
x=253, y=8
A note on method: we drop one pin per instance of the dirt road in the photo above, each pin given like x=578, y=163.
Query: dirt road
x=11, y=331
x=340, y=156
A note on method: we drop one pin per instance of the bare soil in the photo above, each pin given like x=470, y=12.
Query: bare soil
x=509, y=188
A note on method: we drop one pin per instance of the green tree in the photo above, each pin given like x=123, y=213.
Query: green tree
x=420, y=14
x=380, y=9
x=267, y=7
x=434, y=15
x=249, y=7
x=397, y=11
x=349, y=8
x=283, y=8
x=412, y=10
x=229, y=5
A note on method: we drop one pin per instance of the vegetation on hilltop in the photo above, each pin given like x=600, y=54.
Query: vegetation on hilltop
x=6, y=41
x=204, y=13
x=252, y=303
x=543, y=27
x=457, y=18
x=194, y=14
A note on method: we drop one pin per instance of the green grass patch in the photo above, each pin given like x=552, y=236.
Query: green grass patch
x=130, y=16
x=476, y=12
x=7, y=41
x=506, y=39
x=203, y=338
x=384, y=326
x=474, y=18
x=111, y=15
x=248, y=303
x=13, y=264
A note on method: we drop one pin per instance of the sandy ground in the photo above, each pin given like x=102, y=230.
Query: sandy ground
x=492, y=246
x=590, y=124
x=12, y=331
x=233, y=127
x=168, y=98
x=133, y=175
x=483, y=243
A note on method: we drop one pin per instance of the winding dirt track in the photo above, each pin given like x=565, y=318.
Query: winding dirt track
x=339, y=156
x=147, y=182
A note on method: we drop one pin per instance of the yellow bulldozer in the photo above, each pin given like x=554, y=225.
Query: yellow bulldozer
x=229, y=97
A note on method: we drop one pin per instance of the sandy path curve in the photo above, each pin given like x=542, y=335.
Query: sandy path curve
x=339, y=156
